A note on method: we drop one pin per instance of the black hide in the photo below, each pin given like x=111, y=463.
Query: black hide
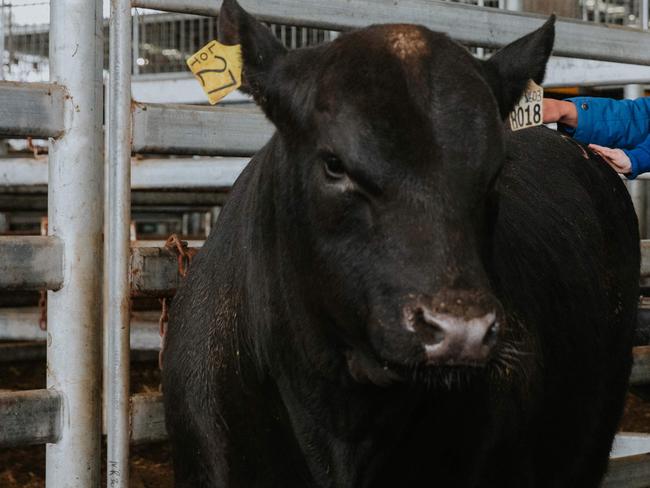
x=392, y=186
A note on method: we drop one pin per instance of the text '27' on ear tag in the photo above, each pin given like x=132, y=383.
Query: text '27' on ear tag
x=529, y=110
x=218, y=68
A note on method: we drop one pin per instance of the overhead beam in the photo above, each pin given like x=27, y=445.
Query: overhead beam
x=563, y=72
x=31, y=263
x=29, y=417
x=190, y=129
x=478, y=26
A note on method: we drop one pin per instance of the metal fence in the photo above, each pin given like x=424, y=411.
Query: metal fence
x=68, y=262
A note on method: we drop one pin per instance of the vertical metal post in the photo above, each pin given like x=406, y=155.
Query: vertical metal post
x=516, y=5
x=2, y=39
x=117, y=293
x=480, y=52
x=136, y=42
x=644, y=14
x=75, y=215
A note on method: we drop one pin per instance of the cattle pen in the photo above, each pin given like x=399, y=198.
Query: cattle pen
x=87, y=260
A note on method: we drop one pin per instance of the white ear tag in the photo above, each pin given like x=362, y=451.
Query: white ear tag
x=529, y=109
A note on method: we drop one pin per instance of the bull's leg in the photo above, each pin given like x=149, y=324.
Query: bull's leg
x=197, y=452
x=574, y=447
x=592, y=464
x=508, y=466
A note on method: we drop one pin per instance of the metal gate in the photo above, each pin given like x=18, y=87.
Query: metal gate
x=87, y=229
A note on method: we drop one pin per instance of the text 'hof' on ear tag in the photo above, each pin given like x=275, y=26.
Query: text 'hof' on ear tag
x=529, y=110
x=218, y=68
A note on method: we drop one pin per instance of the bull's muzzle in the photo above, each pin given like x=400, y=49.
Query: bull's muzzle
x=454, y=330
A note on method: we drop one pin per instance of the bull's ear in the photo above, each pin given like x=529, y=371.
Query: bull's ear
x=260, y=49
x=509, y=70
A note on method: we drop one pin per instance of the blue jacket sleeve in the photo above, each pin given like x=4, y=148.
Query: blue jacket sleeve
x=613, y=123
x=640, y=158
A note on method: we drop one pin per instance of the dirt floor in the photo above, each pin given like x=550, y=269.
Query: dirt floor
x=151, y=464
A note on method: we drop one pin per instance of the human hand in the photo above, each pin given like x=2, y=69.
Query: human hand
x=616, y=158
x=560, y=111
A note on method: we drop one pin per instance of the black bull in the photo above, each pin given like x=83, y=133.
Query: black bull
x=400, y=292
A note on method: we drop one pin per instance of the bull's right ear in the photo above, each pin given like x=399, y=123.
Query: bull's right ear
x=509, y=70
x=261, y=51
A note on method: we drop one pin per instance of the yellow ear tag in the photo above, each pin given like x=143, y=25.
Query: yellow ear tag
x=218, y=68
x=529, y=110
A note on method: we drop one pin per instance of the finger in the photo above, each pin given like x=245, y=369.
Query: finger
x=614, y=166
x=606, y=157
x=601, y=153
x=605, y=152
x=596, y=147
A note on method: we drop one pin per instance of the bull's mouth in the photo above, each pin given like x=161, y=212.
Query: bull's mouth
x=365, y=368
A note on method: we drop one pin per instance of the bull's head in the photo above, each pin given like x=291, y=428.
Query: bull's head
x=391, y=139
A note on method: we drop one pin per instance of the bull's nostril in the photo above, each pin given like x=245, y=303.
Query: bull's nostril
x=492, y=334
x=429, y=331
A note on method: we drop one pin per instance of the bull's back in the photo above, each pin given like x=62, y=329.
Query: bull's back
x=566, y=242
x=565, y=261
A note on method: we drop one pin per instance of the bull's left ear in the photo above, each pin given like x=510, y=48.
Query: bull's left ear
x=509, y=70
x=261, y=51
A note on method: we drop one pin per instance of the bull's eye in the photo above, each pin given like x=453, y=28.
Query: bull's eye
x=334, y=168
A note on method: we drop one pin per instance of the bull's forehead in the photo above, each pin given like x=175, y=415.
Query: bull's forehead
x=393, y=71
x=406, y=95
x=407, y=42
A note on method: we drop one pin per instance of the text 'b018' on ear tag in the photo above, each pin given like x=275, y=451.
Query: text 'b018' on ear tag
x=218, y=68
x=529, y=109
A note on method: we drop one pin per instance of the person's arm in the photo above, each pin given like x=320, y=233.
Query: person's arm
x=630, y=162
x=608, y=122
x=560, y=111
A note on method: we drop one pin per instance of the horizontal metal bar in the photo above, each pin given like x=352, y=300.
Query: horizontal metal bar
x=31, y=263
x=175, y=87
x=562, y=72
x=154, y=272
x=31, y=109
x=146, y=174
x=21, y=324
x=147, y=418
x=29, y=417
x=181, y=201
x=472, y=25
x=189, y=129
x=213, y=173
x=12, y=352
x=630, y=444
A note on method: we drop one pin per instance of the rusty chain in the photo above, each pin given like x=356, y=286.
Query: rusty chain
x=184, y=256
